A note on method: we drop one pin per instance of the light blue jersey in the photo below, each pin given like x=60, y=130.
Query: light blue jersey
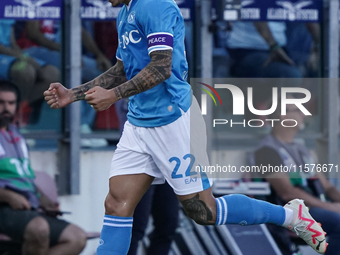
x=145, y=26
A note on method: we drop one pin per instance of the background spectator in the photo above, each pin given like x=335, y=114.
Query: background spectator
x=23, y=208
x=31, y=75
x=280, y=148
x=256, y=49
x=41, y=39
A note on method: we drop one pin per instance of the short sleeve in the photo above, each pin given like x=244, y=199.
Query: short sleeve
x=118, y=56
x=158, y=24
x=118, y=53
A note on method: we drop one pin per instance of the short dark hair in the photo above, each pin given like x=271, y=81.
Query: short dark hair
x=9, y=86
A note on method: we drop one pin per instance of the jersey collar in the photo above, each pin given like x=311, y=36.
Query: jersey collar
x=129, y=5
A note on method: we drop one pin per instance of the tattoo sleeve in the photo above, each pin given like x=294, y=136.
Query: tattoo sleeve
x=197, y=210
x=156, y=72
x=113, y=77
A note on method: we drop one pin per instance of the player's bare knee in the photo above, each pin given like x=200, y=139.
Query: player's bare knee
x=199, y=211
x=37, y=232
x=113, y=206
x=117, y=207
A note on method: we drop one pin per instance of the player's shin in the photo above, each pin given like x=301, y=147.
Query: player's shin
x=240, y=209
x=115, y=236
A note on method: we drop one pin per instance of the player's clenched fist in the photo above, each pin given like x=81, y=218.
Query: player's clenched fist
x=99, y=98
x=57, y=96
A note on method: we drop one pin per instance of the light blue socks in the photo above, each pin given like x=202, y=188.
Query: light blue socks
x=240, y=209
x=115, y=236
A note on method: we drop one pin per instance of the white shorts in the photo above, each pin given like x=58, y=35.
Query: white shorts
x=171, y=152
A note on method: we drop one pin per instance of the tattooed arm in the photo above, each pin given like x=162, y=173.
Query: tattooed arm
x=111, y=78
x=156, y=72
x=112, y=85
x=57, y=96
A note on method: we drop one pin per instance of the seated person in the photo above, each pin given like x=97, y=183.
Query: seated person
x=23, y=210
x=303, y=46
x=41, y=39
x=32, y=75
x=257, y=50
x=280, y=149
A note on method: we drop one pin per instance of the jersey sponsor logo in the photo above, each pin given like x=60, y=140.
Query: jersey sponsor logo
x=293, y=11
x=133, y=36
x=32, y=9
x=131, y=17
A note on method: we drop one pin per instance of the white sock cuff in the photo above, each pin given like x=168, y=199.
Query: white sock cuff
x=289, y=217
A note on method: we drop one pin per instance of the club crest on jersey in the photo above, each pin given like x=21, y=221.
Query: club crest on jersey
x=131, y=17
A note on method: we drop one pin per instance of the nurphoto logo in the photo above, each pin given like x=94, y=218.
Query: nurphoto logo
x=287, y=97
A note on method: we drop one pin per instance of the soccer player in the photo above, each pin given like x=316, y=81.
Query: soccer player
x=157, y=143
